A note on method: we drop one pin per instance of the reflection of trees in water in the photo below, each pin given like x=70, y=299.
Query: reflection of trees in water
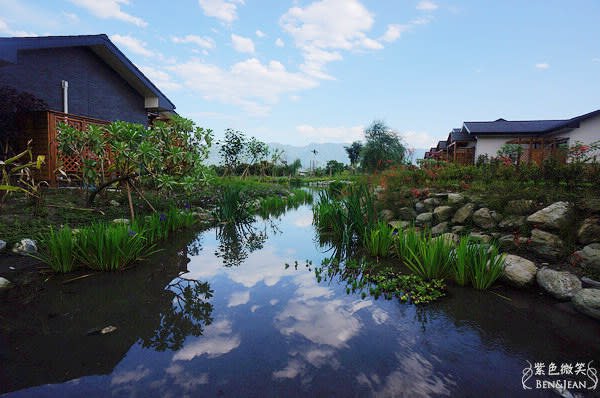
x=189, y=313
x=237, y=241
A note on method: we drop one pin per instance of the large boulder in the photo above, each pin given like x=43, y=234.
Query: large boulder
x=5, y=284
x=406, y=213
x=512, y=223
x=485, y=218
x=520, y=207
x=562, y=285
x=589, y=231
x=442, y=213
x=420, y=207
x=424, y=218
x=592, y=205
x=431, y=203
x=25, y=247
x=587, y=301
x=455, y=198
x=589, y=256
x=463, y=214
x=555, y=216
x=546, y=245
x=386, y=215
x=439, y=228
x=450, y=238
x=518, y=271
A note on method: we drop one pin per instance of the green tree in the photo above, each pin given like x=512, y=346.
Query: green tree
x=232, y=149
x=334, y=167
x=353, y=152
x=383, y=147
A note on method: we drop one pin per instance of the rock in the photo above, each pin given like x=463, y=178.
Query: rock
x=589, y=256
x=546, y=245
x=121, y=221
x=587, y=301
x=496, y=235
x=512, y=222
x=386, y=215
x=518, y=270
x=114, y=203
x=108, y=329
x=561, y=285
x=439, y=229
x=589, y=231
x=506, y=241
x=406, y=213
x=424, y=218
x=399, y=225
x=420, y=207
x=25, y=247
x=455, y=198
x=5, y=284
x=463, y=214
x=442, y=213
x=520, y=207
x=2, y=246
x=555, y=216
x=587, y=282
x=431, y=203
x=479, y=236
x=458, y=229
x=450, y=238
x=485, y=218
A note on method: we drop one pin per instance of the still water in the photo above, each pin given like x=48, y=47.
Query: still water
x=224, y=316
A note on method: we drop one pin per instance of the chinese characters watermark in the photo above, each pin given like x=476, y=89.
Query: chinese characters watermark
x=567, y=375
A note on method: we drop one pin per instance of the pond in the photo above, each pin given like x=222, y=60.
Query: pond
x=224, y=316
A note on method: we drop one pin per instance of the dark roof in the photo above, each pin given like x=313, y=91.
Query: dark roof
x=529, y=127
x=458, y=135
x=441, y=145
x=99, y=44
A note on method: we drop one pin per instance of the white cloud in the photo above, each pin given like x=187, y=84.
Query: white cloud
x=161, y=78
x=279, y=43
x=248, y=84
x=260, y=34
x=5, y=29
x=331, y=134
x=414, y=139
x=542, y=65
x=132, y=44
x=239, y=298
x=217, y=340
x=109, y=9
x=203, y=42
x=220, y=9
x=596, y=60
x=242, y=44
x=395, y=31
x=426, y=6
x=71, y=17
x=319, y=35
x=129, y=376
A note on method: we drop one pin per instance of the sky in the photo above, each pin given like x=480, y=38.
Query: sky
x=299, y=72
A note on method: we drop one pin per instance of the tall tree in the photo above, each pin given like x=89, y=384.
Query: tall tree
x=383, y=147
x=353, y=152
x=232, y=148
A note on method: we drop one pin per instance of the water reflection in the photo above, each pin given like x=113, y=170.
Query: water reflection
x=237, y=240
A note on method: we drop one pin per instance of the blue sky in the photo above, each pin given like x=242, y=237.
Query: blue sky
x=297, y=72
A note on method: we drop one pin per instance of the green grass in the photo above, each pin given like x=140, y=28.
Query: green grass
x=58, y=249
x=477, y=264
x=430, y=258
x=233, y=204
x=379, y=241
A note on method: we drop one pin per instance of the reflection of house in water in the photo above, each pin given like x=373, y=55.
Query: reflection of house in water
x=47, y=341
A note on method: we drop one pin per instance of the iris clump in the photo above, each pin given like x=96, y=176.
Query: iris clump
x=58, y=247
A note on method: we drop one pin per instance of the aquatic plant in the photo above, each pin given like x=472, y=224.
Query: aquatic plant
x=275, y=205
x=58, y=248
x=379, y=241
x=233, y=205
x=476, y=263
x=430, y=259
x=160, y=225
x=110, y=247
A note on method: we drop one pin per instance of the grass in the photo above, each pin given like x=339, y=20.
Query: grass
x=379, y=241
x=477, y=264
x=430, y=258
x=233, y=204
x=58, y=249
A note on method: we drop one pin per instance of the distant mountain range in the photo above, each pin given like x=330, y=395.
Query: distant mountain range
x=324, y=153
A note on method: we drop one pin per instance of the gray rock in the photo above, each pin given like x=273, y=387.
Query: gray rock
x=458, y=229
x=442, y=213
x=589, y=231
x=561, y=285
x=587, y=301
x=399, y=225
x=485, y=218
x=406, y=213
x=589, y=256
x=512, y=222
x=431, y=203
x=450, y=238
x=506, y=241
x=479, y=236
x=386, y=215
x=424, y=218
x=25, y=247
x=2, y=245
x=520, y=207
x=518, y=270
x=114, y=203
x=463, y=214
x=420, y=207
x=455, y=198
x=587, y=282
x=555, y=216
x=5, y=284
x=546, y=245
x=439, y=228
x=121, y=221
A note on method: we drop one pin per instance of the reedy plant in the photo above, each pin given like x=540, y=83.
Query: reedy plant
x=430, y=259
x=58, y=249
x=475, y=263
x=379, y=241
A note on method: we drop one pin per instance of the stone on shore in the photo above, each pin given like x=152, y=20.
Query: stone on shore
x=463, y=214
x=587, y=301
x=562, y=285
x=555, y=216
x=25, y=247
x=518, y=270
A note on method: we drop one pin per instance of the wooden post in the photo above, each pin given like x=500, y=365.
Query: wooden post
x=530, y=149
